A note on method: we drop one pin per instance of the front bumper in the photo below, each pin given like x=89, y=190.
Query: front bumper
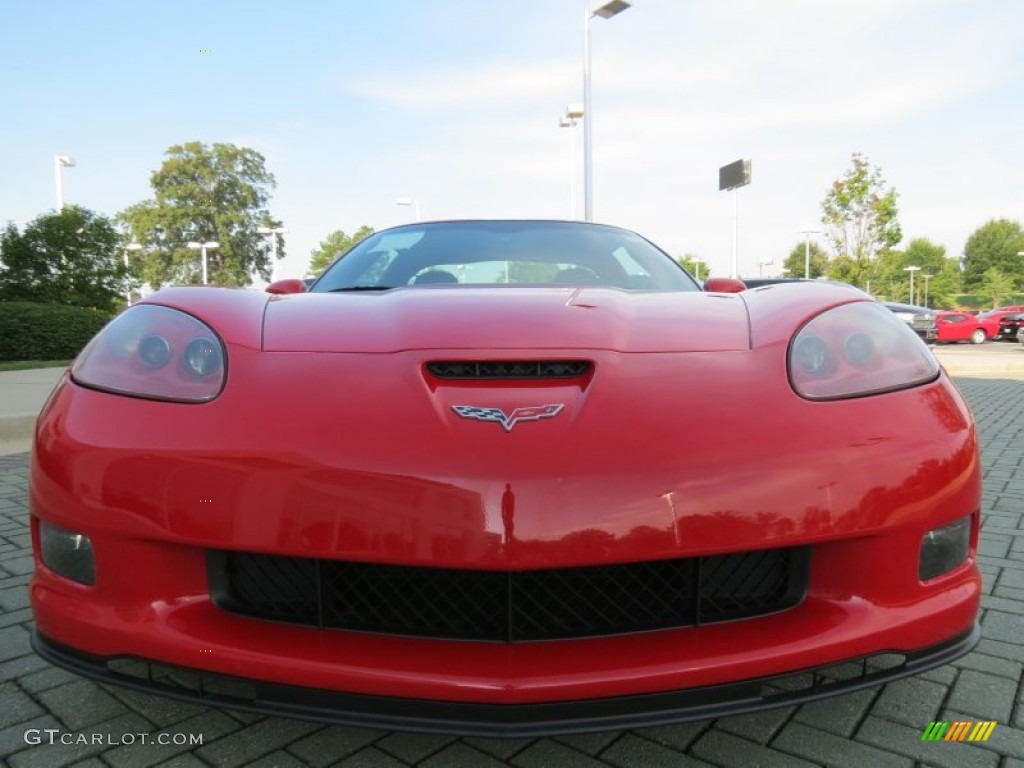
x=629, y=486
x=512, y=720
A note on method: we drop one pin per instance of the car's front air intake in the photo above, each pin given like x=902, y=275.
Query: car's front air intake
x=509, y=369
x=508, y=606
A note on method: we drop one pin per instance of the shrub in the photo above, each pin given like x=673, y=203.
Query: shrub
x=31, y=331
x=974, y=301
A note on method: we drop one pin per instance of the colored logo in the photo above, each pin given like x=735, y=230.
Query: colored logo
x=527, y=413
x=958, y=730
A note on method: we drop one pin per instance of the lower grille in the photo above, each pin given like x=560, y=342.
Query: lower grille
x=508, y=606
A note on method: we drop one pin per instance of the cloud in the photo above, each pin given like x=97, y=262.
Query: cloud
x=500, y=83
x=791, y=63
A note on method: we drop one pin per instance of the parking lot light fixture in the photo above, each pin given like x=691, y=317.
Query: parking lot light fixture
x=927, y=279
x=604, y=10
x=912, y=270
x=410, y=201
x=203, y=247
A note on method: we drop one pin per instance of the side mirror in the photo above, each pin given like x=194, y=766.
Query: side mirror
x=724, y=285
x=291, y=285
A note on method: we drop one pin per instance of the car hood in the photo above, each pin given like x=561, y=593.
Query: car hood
x=505, y=318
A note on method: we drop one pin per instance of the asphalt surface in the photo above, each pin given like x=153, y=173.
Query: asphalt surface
x=871, y=728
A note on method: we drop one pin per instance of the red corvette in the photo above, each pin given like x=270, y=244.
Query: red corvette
x=959, y=326
x=505, y=478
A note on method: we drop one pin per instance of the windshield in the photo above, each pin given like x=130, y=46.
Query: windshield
x=505, y=253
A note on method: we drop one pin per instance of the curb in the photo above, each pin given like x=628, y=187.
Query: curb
x=19, y=427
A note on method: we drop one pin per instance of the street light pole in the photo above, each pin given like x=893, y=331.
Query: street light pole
x=911, y=270
x=273, y=232
x=927, y=279
x=606, y=10
x=568, y=122
x=202, y=248
x=696, y=267
x=132, y=246
x=735, y=236
x=59, y=162
x=807, y=249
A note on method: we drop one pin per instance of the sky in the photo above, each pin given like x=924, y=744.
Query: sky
x=455, y=103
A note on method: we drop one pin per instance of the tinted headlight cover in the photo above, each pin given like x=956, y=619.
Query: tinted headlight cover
x=67, y=553
x=943, y=549
x=857, y=349
x=154, y=352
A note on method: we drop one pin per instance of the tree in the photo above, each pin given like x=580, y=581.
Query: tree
x=941, y=291
x=860, y=216
x=945, y=280
x=997, y=285
x=70, y=257
x=994, y=245
x=846, y=270
x=201, y=193
x=532, y=272
x=795, y=262
x=336, y=244
x=938, y=275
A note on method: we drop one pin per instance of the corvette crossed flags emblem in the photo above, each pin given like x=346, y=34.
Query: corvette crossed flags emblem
x=526, y=413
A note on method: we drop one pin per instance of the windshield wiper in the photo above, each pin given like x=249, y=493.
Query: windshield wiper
x=362, y=288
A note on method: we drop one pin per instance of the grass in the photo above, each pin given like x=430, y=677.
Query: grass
x=25, y=365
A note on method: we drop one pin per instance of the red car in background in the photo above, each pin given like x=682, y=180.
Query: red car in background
x=959, y=326
x=991, y=318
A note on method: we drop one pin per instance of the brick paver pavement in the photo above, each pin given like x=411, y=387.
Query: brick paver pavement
x=868, y=729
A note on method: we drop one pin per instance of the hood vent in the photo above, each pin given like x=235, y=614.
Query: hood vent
x=509, y=369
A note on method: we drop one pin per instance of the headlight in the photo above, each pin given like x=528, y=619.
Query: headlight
x=857, y=349
x=133, y=355
x=154, y=351
x=202, y=357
